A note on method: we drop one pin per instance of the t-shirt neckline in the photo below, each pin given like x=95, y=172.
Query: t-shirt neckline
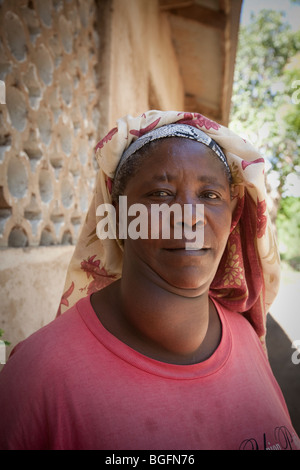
x=173, y=371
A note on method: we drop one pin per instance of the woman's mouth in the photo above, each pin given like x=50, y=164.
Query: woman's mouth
x=189, y=250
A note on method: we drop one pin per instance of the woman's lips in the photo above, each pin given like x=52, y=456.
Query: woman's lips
x=184, y=244
x=188, y=251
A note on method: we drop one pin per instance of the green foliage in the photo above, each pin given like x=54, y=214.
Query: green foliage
x=262, y=106
x=266, y=108
x=292, y=78
x=7, y=343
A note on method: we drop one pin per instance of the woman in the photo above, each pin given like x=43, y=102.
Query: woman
x=162, y=346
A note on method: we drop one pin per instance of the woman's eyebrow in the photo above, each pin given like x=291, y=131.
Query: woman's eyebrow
x=211, y=180
x=163, y=177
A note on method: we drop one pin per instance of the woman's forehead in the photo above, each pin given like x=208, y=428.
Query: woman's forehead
x=175, y=151
x=177, y=146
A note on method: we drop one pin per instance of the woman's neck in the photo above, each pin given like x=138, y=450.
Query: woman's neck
x=158, y=323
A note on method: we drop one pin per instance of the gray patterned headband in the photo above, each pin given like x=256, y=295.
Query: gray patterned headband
x=174, y=130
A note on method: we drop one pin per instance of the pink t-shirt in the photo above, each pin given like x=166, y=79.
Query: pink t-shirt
x=73, y=385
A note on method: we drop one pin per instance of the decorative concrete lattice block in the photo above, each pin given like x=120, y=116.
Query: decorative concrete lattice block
x=49, y=123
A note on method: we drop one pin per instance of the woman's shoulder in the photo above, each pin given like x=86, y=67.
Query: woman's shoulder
x=238, y=323
x=50, y=342
x=244, y=336
x=231, y=315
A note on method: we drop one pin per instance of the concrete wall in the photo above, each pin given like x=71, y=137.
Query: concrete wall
x=49, y=124
x=31, y=281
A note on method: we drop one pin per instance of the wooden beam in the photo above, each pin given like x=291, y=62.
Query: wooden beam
x=194, y=105
x=212, y=18
x=230, y=43
x=171, y=4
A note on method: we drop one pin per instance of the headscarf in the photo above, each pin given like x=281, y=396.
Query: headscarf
x=247, y=278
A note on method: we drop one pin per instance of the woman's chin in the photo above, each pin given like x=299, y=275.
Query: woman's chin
x=188, y=285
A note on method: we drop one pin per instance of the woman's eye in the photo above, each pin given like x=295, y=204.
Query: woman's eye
x=210, y=195
x=160, y=194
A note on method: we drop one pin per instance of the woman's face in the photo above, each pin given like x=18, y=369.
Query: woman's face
x=180, y=171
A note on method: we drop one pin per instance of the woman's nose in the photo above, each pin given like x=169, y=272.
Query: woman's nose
x=192, y=211
x=193, y=215
x=192, y=226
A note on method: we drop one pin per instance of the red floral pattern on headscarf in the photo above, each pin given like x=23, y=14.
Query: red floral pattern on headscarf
x=107, y=138
x=140, y=132
x=261, y=218
x=101, y=278
x=196, y=119
x=64, y=298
